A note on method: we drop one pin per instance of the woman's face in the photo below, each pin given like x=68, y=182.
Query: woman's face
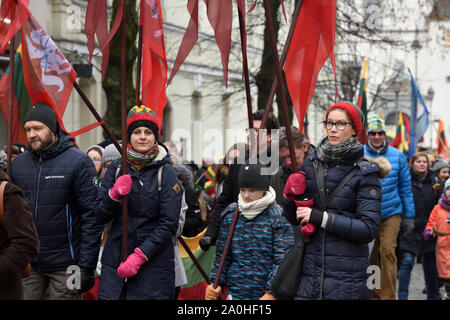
x=97, y=159
x=250, y=194
x=336, y=136
x=443, y=174
x=420, y=165
x=142, y=139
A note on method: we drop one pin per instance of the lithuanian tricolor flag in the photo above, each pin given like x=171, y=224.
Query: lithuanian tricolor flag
x=362, y=103
x=22, y=101
x=196, y=286
x=401, y=141
x=209, y=173
x=441, y=141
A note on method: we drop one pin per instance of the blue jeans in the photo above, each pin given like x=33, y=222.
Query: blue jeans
x=430, y=271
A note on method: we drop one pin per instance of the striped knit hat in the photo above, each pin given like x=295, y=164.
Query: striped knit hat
x=142, y=116
x=376, y=123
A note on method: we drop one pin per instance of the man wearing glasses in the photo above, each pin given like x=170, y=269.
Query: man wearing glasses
x=397, y=208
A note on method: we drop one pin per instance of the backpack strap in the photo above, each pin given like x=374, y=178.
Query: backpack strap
x=2, y=212
x=319, y=171
x=160, y=170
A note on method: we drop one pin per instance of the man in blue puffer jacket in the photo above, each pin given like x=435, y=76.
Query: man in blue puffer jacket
x=59, y=183
x=397, y=208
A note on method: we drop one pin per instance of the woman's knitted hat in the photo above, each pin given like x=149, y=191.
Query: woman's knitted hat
x=353, y=111
x=250, y=176
x=439, y=164
x=97, y=148
x=111, y=153
x=142, y=116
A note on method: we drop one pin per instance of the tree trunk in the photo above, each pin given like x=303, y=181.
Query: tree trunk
x=111, y=82
x=266, y=74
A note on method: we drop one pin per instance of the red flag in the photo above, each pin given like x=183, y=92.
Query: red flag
x=220, y=16
x=18, y=133
x=189, y=39
x=18, y=14
x=154, y=62
x=48, y=76
x=96, y=23
x=312, y=44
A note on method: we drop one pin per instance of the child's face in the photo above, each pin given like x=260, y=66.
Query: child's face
x=249, y=194
x=447, y=192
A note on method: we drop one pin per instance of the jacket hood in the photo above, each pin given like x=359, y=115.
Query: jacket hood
x=183, y=173
x=383, y=164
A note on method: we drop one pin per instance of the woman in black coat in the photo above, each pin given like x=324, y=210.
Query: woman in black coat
x=154, y=204
x=336, y=259
x=426, y=192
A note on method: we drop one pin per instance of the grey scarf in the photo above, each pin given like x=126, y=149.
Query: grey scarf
x=329, y=154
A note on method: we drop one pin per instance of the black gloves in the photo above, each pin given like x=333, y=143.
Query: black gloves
x=205, y=243
x=87, y=279
x=407, y=226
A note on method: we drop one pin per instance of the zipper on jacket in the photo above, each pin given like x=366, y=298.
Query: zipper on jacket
x=69, y=230
x=322, y=275
x=325, y=193
x=37, y=188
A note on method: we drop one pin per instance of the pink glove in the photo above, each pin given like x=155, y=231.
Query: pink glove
x=427, y=234
x=131, y=266
x=295, y=185
x=121, y=188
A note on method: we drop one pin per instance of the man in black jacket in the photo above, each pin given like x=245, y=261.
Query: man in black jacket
x=230, y=190
x=60, y=186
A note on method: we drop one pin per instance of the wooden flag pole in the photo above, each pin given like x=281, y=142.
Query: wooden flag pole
x=97, y=116
x=226, y=247
x=123, y=91
x=279, y=77
x=253, y=135
x=139, y=69
x=194, y=259
x=282, y=61
x=12, y=47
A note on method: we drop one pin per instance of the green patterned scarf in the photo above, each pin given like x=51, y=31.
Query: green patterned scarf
x=329, y=154
x=139, y=159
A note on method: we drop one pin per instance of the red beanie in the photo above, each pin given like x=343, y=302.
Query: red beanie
x=353, y=111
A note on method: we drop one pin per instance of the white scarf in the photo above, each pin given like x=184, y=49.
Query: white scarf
x=251, y=209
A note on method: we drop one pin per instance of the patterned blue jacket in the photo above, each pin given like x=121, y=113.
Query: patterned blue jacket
x=257, y=248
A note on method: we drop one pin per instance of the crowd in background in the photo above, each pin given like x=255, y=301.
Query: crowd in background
x=393, y=211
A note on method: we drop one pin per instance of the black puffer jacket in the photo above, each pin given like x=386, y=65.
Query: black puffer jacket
x=426, y=195
x=61, y=187
x=336, y=259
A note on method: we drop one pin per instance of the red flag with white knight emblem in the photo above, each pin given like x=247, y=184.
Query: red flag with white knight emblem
x=48, y=75
x=154, y=62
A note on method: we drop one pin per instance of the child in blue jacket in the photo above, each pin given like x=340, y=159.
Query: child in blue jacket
x=260, y=240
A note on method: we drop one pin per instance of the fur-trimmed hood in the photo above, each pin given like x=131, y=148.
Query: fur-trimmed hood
x=383, y=164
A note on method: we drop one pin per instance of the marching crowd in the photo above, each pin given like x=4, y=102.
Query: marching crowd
x=341, y=208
